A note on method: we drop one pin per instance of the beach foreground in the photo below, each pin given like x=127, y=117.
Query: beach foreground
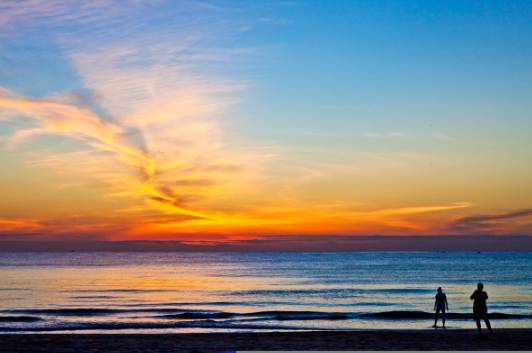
x=504, y=339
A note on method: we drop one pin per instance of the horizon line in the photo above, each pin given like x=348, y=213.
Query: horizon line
x=429, y=243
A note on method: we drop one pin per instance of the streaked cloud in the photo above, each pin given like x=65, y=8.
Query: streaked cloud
x=151, y=127
x=493, y=223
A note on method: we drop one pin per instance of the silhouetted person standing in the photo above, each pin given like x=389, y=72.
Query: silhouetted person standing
x=480, y=309
x=440, y=305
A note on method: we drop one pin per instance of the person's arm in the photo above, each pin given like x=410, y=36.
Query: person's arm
x=446, y=305
x=435, y=303
x=473, y=295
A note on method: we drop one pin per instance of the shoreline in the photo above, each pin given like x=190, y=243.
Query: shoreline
x=439, y=339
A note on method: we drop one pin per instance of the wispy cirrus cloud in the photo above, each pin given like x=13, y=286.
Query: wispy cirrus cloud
x=12, y=12
x=151, y=128
x=157, y=175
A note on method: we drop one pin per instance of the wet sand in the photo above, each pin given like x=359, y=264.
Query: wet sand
x=504, y=339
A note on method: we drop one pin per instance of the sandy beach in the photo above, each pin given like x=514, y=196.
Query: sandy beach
x=504, y=339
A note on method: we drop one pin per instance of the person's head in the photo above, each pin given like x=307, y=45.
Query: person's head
x=480, y=286
x=439, y=289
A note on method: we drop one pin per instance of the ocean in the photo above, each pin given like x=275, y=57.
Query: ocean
x=137, y=292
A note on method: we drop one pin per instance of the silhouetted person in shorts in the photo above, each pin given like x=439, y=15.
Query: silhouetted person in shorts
x=480, y=309
x=440, y=305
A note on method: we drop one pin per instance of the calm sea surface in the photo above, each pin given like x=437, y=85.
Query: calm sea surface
x=199, y=292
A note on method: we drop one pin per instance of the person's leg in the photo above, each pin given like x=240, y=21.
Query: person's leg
x=478, y=325
x=436, y=317
x=443, y=317
x=488, y=325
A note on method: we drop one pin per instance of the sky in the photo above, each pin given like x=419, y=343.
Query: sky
x=210, y=122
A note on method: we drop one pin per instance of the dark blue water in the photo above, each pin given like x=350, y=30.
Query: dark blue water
x=184, y=292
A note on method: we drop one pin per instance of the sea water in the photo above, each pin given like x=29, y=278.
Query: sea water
x=111, y=292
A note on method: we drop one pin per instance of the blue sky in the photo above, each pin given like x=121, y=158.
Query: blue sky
x=387, y=65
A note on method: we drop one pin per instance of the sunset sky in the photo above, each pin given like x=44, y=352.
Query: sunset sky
x=214, y=121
